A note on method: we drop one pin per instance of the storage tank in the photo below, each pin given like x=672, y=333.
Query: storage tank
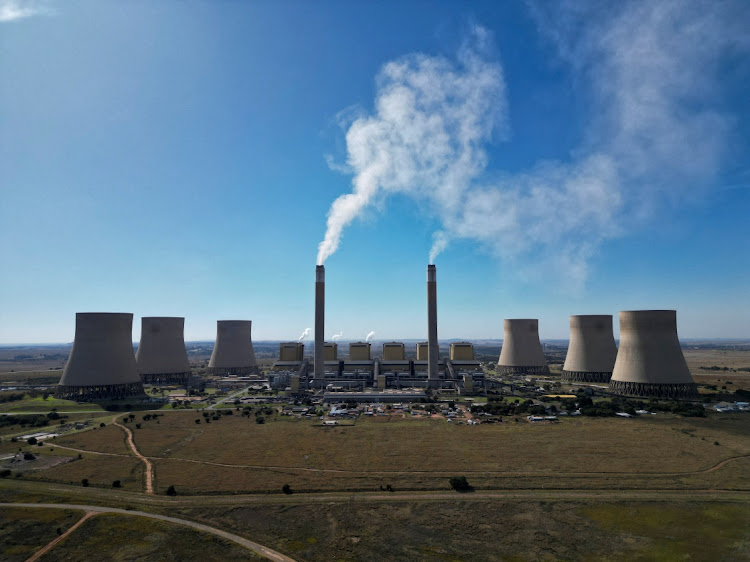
x=102, y=364
x=161, y=355
x=650, y=363
x=522, y=352
x=233, y=352
x=591, y=351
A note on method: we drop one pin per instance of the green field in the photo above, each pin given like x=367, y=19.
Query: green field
x=23, y=531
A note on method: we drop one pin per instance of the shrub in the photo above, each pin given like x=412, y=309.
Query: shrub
x=101, y=425
x=287, y=489
x=31, y=457
x=138, y=426
x=116, y=484
x=4, y=473
x=85, y=482
x=197, y=420
x=31, y=440
x=260, y=419
x=459, y=483
x=171, y=491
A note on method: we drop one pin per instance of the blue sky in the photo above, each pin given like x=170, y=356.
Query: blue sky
x=181, y=158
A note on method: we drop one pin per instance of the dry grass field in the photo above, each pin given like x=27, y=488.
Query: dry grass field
x=733, y=360
x=235, y=454
x=100, y=470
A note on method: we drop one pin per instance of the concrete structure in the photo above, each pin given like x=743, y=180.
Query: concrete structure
x=233, y=351
x=359, y=351
x=291, y=351
x=102, y=364
x=330, y=351
x=394, y=351
x=433, y=351
x=591, y=351
x=521, y=352
x=412, y=395
x=161, y=355
x=650, y=362
x=462, y=351
x=422, y=351
x=320, y=306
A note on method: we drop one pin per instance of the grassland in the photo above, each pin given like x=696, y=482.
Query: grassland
x=23, y=531
x=731, y=359
x=132, y=538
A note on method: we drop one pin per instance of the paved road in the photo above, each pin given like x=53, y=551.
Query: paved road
x=254, y=546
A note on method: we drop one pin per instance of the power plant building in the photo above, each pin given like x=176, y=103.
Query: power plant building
x=359, y=351
x=592, y=350
x=161, y=355
x=394, y=351
x=291, y=351
x=330, y=351
x=102, y=364
x=422, y=351
x=650, y=363
x=522, y=352
x=233, y=352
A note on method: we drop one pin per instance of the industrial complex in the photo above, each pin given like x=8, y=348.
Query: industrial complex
x=649, y=362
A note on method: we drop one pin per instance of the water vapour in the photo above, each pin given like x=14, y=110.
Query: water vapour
x=653, y=134
x=336, y=337
x=369, y=336
x=304, y=334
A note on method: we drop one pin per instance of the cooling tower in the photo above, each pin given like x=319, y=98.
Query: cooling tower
x=291, y=351
x=591, y=351
x=359, y=351
x=101, y=365
x=650, y=361
x=422, y=351
x=320, y=302
x=233, y=352
x=161, y=355
x=432, y=334
x=331, y=351
x=462, y=351
x=521, y=352
x=394, y=351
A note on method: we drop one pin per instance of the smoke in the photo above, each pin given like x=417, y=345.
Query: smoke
x=653, y=134
x=304, y=334
x=337, y=336
x=369, y=336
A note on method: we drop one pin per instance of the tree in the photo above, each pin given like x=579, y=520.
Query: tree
x=260, y=419
x=197, y=420
x=31, y=457
x=286, y=488
x=31, y=440
x=4, y=473
x=101, y=425
x=138, y=426
x=116, y=484
x=460, y=484
x=85, y=482
x=171, y=491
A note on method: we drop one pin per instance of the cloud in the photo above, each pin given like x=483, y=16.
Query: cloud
x=653, y=135
x=12, y=10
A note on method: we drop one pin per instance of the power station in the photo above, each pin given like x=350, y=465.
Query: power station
x=233, y=352
x=161, y=355
x=521, y=352
x=102, y=364
x=591, y=350
x=650, y=363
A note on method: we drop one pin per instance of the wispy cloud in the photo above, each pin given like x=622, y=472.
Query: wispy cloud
x=654, y=134
x=12, y=10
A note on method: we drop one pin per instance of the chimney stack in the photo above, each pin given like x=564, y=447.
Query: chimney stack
x=320, y=301
x=432, y=335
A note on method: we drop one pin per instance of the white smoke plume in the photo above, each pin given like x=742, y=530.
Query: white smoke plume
x=369, y=336
x=653, y=133
x=336, y=337
x=304, y=334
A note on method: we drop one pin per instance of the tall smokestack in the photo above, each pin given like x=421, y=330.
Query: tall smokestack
x=320, y=307
x=432, y=337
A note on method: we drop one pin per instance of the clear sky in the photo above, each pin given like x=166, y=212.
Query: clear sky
x=181, y=158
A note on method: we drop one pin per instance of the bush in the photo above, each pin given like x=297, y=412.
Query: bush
x=287, y=489
x=85, y=482
x=197, y=420
x=31, y=440
x=138, y=426
x=31, y=457
x=460, y=484
x=4, y=473
x=171, y=491
x=260, y=419
x=116, y=484
x=101, y=425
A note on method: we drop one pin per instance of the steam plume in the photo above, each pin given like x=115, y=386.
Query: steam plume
x=337, y=336
x=304, y=334
x=369, y=336
x=653, y=134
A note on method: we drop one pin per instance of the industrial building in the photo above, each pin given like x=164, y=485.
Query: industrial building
x=592, y=350
x=161, y=355
x=102, y=364
x=521, y=352
x=650, y=363
x=233, y=352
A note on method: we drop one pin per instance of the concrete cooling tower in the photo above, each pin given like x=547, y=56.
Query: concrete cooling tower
x=591, y=351
x=521, y=352
x=102, y=364
x=649, y=362
x=161, y=354
x=233, y=352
